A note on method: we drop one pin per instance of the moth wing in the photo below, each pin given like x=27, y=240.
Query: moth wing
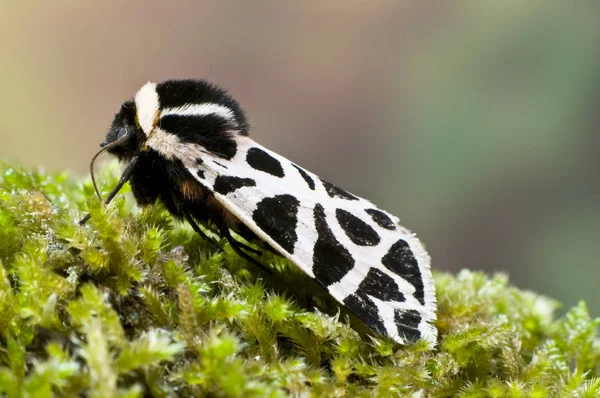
x=361, y=254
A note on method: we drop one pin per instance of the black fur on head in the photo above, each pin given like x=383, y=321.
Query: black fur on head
x=123, y=123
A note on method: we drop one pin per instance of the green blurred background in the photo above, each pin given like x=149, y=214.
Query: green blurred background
x=475, y=122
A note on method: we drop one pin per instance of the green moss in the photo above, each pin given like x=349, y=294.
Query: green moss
x=136, y=304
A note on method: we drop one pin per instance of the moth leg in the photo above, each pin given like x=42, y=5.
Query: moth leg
x=250, y=236
x=237, y=247
x=247, y=248
x=197, y=229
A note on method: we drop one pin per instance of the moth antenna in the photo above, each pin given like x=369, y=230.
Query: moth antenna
x=105, y=147
x=124, y=177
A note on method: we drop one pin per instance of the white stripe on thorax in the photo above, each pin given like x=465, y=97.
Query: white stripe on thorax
x=200, y=110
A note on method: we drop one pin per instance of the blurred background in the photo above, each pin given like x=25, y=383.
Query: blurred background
x=474, y=122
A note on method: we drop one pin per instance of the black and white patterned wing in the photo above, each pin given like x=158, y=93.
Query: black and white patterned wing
x=361, y=254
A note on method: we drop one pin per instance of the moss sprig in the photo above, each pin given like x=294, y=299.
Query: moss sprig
x=135, y=304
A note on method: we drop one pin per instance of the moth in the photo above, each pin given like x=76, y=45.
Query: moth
x=185, y=143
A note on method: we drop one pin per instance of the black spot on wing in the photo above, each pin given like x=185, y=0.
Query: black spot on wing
x=366, y=310
x=400, y=260
x=381, y=219
x=376, y=284
x=336, y=192
x=211, y=131
x=407, y=322
x=379, y=285
x=262, y=161
x=278, y=217
x=200, y=173
x=331, y=260
x=359, y=232
x=304, y=174
x=227, y=184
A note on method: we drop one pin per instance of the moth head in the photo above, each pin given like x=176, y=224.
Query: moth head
x=124, y=137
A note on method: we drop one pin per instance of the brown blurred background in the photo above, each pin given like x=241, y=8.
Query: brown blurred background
x=475, y=122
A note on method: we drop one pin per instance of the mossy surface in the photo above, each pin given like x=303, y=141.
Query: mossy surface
x=135, y=304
